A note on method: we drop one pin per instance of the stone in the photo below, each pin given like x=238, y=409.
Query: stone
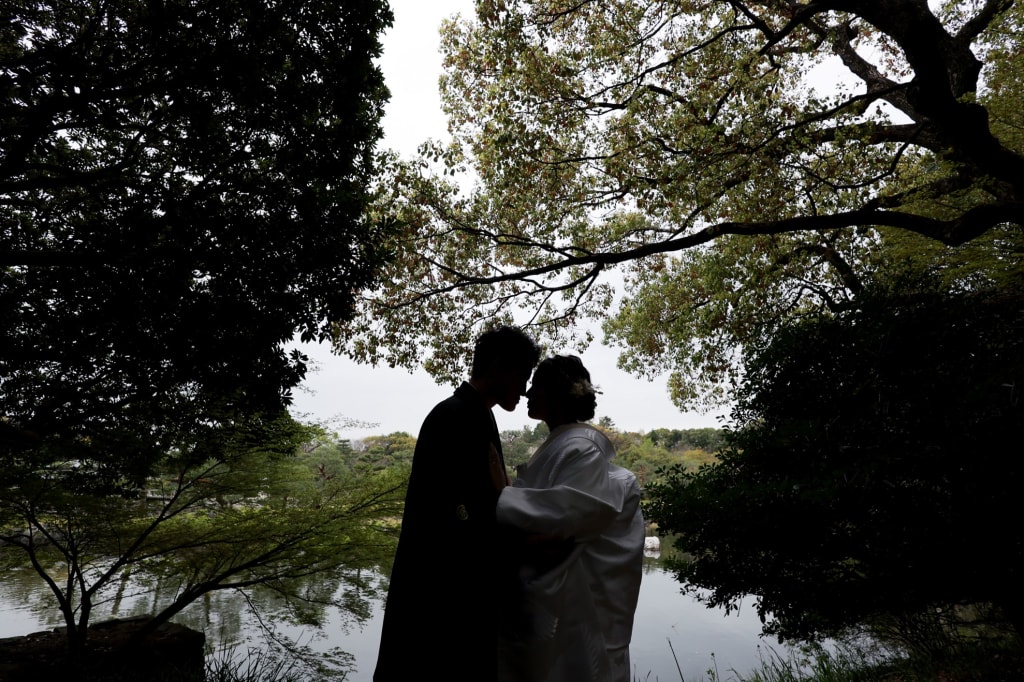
x=171, y=653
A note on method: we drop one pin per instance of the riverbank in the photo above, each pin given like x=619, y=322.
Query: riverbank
x=176, y=655
x=979, y=661
x=672, y=633
x=699, y=636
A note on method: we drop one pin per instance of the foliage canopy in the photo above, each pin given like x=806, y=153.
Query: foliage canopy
x=182, y=188
x=740, y=162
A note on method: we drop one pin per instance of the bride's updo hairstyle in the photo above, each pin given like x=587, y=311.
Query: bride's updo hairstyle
x=568, y=382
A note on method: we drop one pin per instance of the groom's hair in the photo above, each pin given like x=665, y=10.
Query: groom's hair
x=504, y=346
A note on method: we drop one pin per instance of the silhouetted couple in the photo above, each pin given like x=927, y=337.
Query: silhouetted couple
x=528, y=580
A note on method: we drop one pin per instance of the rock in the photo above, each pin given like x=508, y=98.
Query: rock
x=172, y=652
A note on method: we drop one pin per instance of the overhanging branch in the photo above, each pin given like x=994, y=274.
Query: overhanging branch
x=952, y=233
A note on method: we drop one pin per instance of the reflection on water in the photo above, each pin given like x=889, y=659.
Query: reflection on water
x=669, y=627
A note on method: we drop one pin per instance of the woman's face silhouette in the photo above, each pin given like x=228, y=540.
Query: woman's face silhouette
x=543, y=404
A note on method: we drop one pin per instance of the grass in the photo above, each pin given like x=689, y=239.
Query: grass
x=858, y=662
x=258, y=666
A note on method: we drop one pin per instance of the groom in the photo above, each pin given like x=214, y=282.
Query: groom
x=446, y=583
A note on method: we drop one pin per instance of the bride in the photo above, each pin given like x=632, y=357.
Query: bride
x=580, y=564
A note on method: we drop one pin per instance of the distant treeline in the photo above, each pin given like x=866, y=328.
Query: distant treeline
x=643, y=453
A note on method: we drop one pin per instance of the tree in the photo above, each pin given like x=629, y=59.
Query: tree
x=382, y=452
x=518, y=446
x=182, y=192
x=265, y=512
x=742, y=162
x=681, y=439
x=871, y=469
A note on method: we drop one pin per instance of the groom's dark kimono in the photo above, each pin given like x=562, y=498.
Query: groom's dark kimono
x=441, y=614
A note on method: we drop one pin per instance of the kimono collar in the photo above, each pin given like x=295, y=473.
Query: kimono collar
x=562, y=428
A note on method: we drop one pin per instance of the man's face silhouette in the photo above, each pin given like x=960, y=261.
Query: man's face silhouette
x=510, y=385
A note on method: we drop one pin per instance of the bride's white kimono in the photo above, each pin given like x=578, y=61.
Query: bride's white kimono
x=578, y=612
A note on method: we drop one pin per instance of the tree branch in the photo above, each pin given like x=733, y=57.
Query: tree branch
x=950, y=232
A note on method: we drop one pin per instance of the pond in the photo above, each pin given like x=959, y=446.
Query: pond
x=670, y=628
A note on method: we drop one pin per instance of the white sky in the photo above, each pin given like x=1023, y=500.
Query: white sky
x=397, y=400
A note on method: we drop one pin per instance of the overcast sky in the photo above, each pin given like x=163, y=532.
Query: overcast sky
x=397, y=400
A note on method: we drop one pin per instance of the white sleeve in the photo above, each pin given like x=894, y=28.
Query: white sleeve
x=580, y=503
